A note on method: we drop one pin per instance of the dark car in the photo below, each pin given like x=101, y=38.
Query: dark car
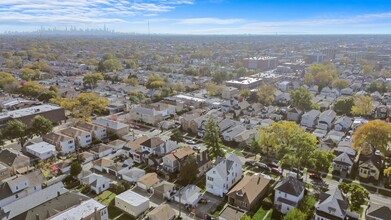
x=262, y=166
x=250, y=163
x=296, y=171
x=277, y=171
x=272, y=164
x=315, y=176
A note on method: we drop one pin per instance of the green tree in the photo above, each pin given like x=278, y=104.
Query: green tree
x=16, y=129
x=245, y=93
x=92, y=79
x=131, y=64
x=307, y=205
x=323, y=74
x=31, y=88
x=362, y=106
x=213, y=89
x=343, y=105
x=340, y=83
x=29, y=74
x=75, y=169
x=41, y=126
x=267, y=141
x=266, y=94
x=177, y=136
x=295, y=214
x=6, y=79
x=109, y=64
x=320, y=160
x=245, y=217
x=131, y=81
x=357, y=194
x=301, y=98
x=212, y=139
x=155, y=82
x=188, y=172
x=371, y=136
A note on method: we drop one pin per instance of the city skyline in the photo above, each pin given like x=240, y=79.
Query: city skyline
x=200, y=17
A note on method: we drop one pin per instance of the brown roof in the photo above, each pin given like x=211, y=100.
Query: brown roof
x=162, y=212
x=183, y=152
x=73, y=132
x=100, y=148
x=152, y=142
x=103, y=162
x=89, y=127
x=149, y=179
x=54, y=138
x=135, y=145
x=250, y=187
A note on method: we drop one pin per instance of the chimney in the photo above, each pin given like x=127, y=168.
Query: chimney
x=96, y=213
x=36, y=217
x=259, y=179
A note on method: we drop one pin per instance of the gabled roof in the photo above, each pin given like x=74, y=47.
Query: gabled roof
x=162, y=212
x=249, y=188
x=9, y=156
x=149, y=179
x=152, y=142
x=291, y=186
x=333, y=202
x=379, y=211
x=343, y=159
x=95, y=180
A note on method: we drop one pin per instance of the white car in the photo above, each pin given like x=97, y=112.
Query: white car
x=190, y=142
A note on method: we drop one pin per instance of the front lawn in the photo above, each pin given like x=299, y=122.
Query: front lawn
x=106, y=197
x=261, y=213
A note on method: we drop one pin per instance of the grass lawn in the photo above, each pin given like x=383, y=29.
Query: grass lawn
x=231, y=150
x=106, y=197
x=114, y=212
x=261, y=213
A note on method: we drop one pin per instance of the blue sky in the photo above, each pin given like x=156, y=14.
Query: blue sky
x=202, y=16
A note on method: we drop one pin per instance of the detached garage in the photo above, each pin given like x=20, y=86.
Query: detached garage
x=132, y=203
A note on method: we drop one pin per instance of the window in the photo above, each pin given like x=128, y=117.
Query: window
x=16, y=196
x=285, y=195
x=70, y=142
x=88, y=136
x=17, y=187
x=210, y=178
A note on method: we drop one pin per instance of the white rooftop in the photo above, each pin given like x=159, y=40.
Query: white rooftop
x=190, y=98
x=81, y=211
x=42, y=147
x=29, y=111
x=261, y=58
x=132, y=198
x=244, y=80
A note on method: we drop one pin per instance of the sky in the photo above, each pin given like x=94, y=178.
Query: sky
x=201, y=16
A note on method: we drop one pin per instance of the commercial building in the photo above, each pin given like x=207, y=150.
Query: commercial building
x=261, y=63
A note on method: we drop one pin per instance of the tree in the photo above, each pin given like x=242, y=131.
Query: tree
x=362, y=106
x=213, y=89
x=308, y=79
x=188, y=171
x=245, y=217
x=29, y=74
x=340, y=83
x=75, y=168
x=41, y=126
x=177, y=136
x=295, y=214
x=323, y=74
x=267, y=141
x=212, y=139
x=31, y=88
x=320, y=160
x=6, y=79
x=307, y=205
x=131, y=64
x=245, y=93
x=385, y=73
x=301, y=98
x=266, y=94
x=371, y=136
x=16, y=129
x=109, y=65
x=131, y=81
x=155, y=82
x=92, y=79
x=357, y=194
x=343, y=105
x=381, y=87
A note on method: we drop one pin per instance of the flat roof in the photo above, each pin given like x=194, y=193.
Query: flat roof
x=187, y=97
x=41, y=147
x=29, y=111
x=84, y=209
x=261, y=58
x=244, y=80
x=132, y=198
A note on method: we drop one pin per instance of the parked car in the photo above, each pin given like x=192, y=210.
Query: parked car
x=272, y=164
x=315, y=176
x=294, y=175
x=262, y=166
x=296, y=171
x=277, y=171
x=190, y=142
x=197, y=148
x=250, y=163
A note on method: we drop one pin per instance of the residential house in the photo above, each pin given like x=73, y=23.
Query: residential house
x=204, y=162
x=5, y=171
x=333, y=205
x=133, y=174
x=102, y=164
x=288, y=193
x=101, y=150
x=231, y=133
x=188, y=195
x=230, y=92
x=370, y=166
x=327, y=92
x=382, y=112
x=42, y=150
x=98, y=183
x=186, y=120
x=64, y=144
x=152, y=145
x=226, y=173
x=309, y=119
x=335, y=136
x=378, y=212
x=61, y=167
x=284, y=86
x=113, y=127
x=342, y=164
x=247, y=193
x=82, y=138
x=90, y=209
x=294, y=114
x=146, y=114
x=86, y=157
x=172, y=162
x=116, y=144
x=162, y=212
x=97, y=131
x=283, y=98
x=20, y=186
x=347, y=91
x=132, y=203
x=164, y=190
x=343, y=123
x=326, y=119
x=15, y=160
x=147, y=181
x=135, y=148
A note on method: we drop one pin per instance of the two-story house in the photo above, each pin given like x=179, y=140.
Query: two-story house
x=172, y=162
x=342, y=164
x=97, y=131
x=288, y=193
x=326, y=119
x=310, y=118
x=81, y=137
x=64, y=144
x=226, y=173
x=14, y=161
